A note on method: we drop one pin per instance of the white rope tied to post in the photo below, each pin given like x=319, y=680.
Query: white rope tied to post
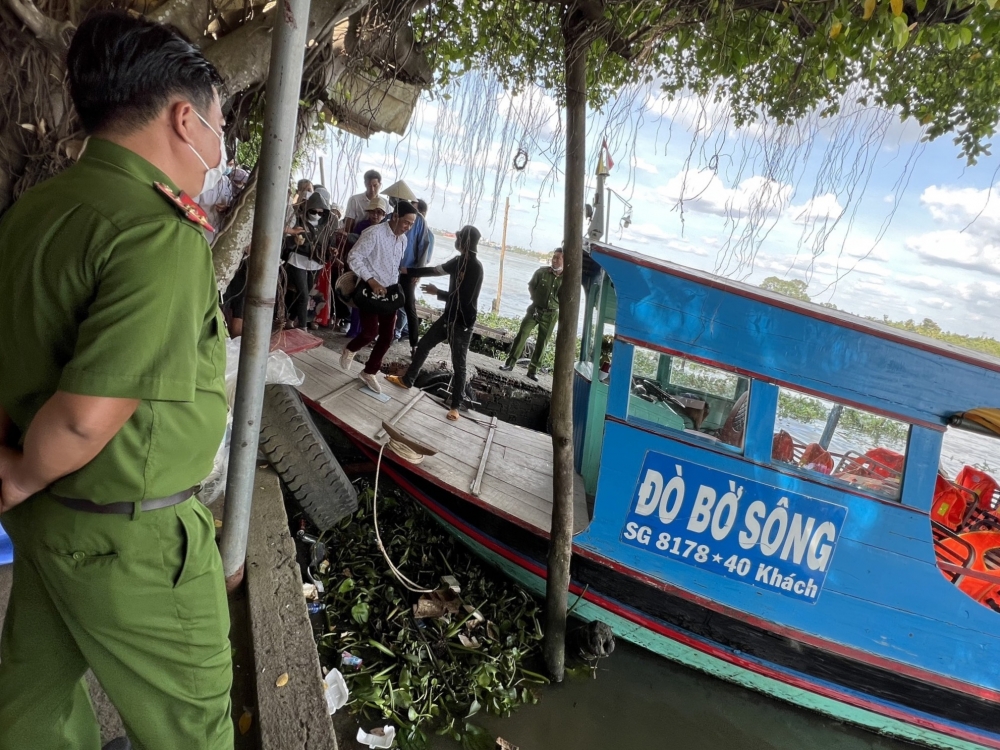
x=410, y=585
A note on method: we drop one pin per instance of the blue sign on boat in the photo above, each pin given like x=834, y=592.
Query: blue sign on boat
x=761, y=535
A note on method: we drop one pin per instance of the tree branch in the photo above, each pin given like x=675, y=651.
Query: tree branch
x=53, y=34
x=187, y=15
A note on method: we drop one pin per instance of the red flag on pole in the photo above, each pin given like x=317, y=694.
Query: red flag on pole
x=607, y=153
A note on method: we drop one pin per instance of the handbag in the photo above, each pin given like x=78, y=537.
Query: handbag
x=368, y=301
x=345, y=287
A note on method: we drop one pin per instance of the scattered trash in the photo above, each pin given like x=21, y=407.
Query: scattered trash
x=347, y=659
x=437, y=604
x=314, y=608
x=246, y=720
x=502, y=744
x=282, y=680
x=336, y=691
x=468, y=642
x=310, y=592
x=377, y=737
x=218, y=523
x=451, y=583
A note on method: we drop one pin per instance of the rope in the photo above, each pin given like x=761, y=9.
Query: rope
x=378, y=536
x=405, y=452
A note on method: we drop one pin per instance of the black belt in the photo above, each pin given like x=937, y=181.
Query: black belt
x=127, y=509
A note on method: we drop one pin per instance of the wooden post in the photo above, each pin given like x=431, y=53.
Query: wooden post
x=503, y=253
x=563, y=474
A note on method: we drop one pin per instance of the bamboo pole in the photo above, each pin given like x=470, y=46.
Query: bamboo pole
x=503, y=254
x=563, y=474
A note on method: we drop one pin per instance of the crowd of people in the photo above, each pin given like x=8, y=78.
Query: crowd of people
x=357, y=270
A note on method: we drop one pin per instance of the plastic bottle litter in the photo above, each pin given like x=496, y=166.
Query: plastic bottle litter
x=347, y=659
x=382, y=738
x=336, y=691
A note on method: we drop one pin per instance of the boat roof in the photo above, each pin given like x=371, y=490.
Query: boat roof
x=808, y=309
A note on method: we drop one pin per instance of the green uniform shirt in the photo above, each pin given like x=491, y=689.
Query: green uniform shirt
x=106, y=290
x=544, y=289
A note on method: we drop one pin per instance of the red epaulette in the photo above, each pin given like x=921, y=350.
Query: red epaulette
x=186, y=205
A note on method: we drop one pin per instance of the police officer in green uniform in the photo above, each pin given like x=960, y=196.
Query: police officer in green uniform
x=112, y=406
x=543, y=312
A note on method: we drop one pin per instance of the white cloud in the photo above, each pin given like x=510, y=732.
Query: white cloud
x=952, y=247
x=822, y=208
x=641, y=164
x=703, y=191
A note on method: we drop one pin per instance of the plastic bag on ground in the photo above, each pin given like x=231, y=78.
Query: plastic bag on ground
x=336, y=691
x=280, y=370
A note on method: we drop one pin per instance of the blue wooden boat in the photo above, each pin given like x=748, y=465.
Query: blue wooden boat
x=807, y=568
x=6, y=548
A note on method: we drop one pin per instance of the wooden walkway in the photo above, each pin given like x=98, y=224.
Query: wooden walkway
x=500, y=465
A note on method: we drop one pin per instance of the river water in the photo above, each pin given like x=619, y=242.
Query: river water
x=517, y=271
x=641, y=700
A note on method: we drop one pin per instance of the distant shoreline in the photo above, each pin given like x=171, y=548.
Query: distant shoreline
x=450, y=236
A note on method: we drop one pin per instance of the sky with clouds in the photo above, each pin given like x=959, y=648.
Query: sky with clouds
x=873, y=218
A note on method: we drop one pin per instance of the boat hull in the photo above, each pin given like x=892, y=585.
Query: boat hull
x=688, y=630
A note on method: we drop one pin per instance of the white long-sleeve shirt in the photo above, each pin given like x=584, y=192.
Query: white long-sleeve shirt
x=377, y=254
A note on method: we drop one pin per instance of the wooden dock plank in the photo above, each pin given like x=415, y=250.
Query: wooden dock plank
x=517, y=479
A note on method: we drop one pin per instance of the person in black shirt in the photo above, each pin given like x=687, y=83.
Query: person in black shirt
x=459, y=317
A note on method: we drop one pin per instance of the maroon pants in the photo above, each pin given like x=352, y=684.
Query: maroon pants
x=377, y=328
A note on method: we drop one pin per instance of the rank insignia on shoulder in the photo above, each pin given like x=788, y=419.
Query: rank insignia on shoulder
x=189, y=209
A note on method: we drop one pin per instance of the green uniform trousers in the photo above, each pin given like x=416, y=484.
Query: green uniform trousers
x=545, y=321
x=142, y=602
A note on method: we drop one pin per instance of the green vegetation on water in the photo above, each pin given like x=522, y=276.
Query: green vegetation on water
x=429, y=675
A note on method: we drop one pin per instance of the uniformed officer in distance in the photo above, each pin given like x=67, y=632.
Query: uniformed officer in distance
x=112, y=406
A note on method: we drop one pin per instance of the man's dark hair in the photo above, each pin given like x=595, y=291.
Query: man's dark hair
x=124, y=70
x=404, y=208
x=371, y=174
x=421, y=206
x=468, y=237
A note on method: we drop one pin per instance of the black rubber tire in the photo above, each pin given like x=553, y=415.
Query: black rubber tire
x=299, y=454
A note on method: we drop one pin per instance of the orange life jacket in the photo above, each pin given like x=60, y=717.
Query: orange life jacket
x=817, y=458
x=949, y=505
x=979, y=482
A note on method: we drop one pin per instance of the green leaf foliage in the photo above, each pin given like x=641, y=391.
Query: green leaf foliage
x=933, y=59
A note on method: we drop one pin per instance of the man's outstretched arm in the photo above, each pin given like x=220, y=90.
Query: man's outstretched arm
x=66, y=434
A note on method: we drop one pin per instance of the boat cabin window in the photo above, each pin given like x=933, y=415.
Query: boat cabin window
x=680, y=394
x=863, y=449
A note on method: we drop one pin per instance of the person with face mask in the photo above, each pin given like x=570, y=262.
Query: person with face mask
x=112, y=407
x=457, y=322
x=307, y=254
x=303, y=189
x=542, y=312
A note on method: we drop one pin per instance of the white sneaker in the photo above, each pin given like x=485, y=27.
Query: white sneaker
x=371, y=381
x=346, y=357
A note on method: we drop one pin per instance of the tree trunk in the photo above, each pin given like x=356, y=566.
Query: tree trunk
x=234, y=239
x=563, y=474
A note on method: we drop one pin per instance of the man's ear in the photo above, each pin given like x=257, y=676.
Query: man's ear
x=183, y=119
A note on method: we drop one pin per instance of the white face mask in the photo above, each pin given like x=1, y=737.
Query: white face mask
x=313, y=221
x=214, y=174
